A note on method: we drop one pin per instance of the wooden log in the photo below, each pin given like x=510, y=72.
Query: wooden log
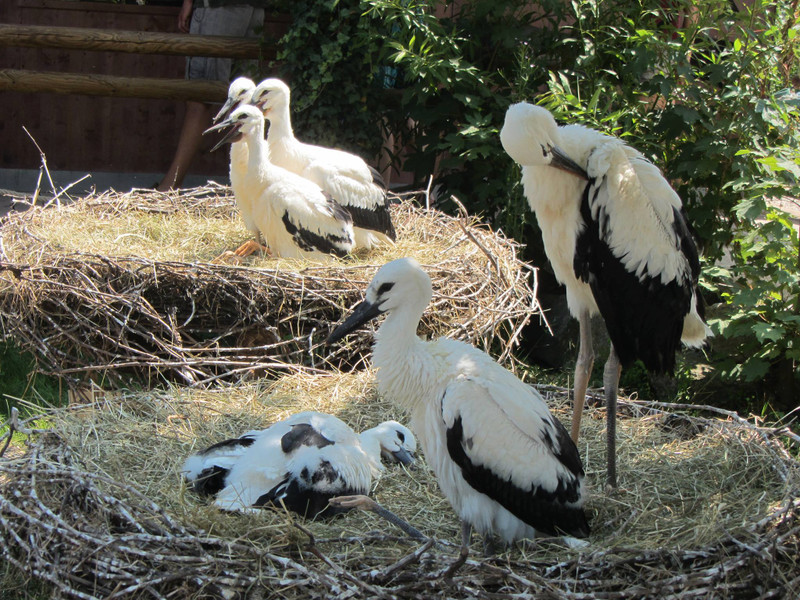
x=140, y=42
x=201, y=90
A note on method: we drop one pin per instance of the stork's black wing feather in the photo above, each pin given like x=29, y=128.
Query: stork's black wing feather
x=644, y=315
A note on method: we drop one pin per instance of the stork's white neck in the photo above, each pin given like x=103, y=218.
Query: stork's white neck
x=280, y=124
x=403, y=361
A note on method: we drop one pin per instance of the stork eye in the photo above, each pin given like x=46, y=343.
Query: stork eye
x=544, y=150
x=402, y=436
x=385, y=287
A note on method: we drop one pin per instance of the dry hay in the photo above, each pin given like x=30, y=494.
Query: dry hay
x=707, y=508
x=120, y=285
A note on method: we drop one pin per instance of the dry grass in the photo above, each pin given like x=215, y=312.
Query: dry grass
x=122, y=285
x=704, y=504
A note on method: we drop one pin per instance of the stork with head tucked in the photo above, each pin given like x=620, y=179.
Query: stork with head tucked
x=296, y=218
x=617, y=237
x=507, y=466
x=300, y=463
x=239, y=93
x=357, y=187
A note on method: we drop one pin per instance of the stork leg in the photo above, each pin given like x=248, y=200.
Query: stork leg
x=611, y=373
x=249, y=247
x=466, y=534
x=583, y=370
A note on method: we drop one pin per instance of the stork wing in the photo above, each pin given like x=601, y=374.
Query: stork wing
x=314, y=219
x=511, y=449
x=636, y=253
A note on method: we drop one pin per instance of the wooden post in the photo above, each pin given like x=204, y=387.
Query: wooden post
x=139, y=42
x=200, y=90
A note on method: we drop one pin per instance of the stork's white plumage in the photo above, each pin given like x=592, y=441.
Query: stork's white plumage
x=239, y=93
x=296, y=218
x=300, y=463
x=616, y=235
x=507, y=466
x=345, y=176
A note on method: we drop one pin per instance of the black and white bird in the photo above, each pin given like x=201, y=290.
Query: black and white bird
x=617, y=237
x=506, y=465
x=239, y=93
x=357, y=187
x=296, y=218
x=299, y=463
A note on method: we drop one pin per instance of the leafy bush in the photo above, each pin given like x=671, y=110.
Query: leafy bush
x=700, y=88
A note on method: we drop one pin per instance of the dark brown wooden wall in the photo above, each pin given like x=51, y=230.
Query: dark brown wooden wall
x=90, y=133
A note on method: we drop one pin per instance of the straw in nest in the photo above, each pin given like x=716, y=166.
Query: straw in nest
x=122, y=285
x=707, y=508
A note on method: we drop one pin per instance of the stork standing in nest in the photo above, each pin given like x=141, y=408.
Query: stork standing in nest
x=357, y=187
x=617, y=237
x=299, y=463
x=239, y=93
x=507, y=466
x=296, y=218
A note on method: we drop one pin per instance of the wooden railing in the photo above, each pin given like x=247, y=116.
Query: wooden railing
x=80, y=38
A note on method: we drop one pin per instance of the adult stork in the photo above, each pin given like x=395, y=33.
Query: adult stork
x=617, y=237
x=296, y=218
x=505, y=464
x=356, y=186
x=239, y=92
x=300, y=463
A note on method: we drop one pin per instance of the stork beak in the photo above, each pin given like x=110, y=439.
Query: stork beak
x=565, y=163
x=226, y=110
x=402, y=456
x=234, y=135
x=362, y=313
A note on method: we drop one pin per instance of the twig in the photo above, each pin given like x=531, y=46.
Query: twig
x=474, y=240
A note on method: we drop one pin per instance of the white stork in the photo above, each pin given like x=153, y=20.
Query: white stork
x=296, y=218
x=300, y=463
x=506, y=465
x=239, y=93
x=356, y=186
x=617, y=237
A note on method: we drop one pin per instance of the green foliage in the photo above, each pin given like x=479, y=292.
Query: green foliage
x=459, y=70
x=699, y=87
x=19, y=379
x=328, y=58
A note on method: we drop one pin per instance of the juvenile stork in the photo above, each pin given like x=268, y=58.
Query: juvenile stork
x=506, y=465
x=357, y=187
x=296, y=218
x=300, y=463
x=239, y=92
x=617, y=237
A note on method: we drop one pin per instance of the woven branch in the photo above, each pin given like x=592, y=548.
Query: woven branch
x=113, y=316
x=92, y=537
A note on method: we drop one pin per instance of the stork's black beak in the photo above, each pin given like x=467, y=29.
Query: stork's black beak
x=234, y=135
x=402, y=456
x=565, y=163
x=362, y=313
x=226, y=109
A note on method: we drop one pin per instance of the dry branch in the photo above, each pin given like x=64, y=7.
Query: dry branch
x=149, y=303
x=65, y=520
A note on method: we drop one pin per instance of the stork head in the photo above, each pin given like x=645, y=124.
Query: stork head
x=244, y=120
x=270, y=94
x=239, y=92
x=530, y=136
x=398, y=285
x=394, y=442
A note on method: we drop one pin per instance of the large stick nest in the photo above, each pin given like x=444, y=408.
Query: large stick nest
x=123, y=285
x=707, y=508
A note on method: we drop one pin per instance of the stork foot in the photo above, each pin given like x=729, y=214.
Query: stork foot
x=466, y=534
x=249, y=247
x=363, y=502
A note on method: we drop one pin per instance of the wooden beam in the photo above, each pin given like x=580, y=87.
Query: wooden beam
x=140, y=42
x=200, y=90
